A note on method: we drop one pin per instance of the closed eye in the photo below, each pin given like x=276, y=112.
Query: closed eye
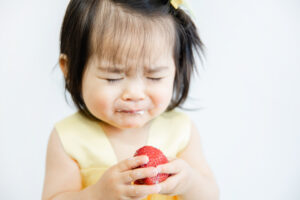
x=154, y=79
x=113, y=80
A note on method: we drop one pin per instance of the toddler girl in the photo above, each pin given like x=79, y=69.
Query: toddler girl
x=127, y=65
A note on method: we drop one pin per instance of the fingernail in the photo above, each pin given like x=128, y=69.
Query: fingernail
x=158, y=169
x=146, y=159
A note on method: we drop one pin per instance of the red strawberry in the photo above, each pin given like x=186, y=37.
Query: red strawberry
x=156, y=157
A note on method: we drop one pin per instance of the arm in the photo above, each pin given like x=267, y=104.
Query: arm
x=62, y=176
x=203, y=186
x=191, y=177
x=63, y=179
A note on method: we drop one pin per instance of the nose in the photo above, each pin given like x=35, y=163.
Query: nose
x=134, y=91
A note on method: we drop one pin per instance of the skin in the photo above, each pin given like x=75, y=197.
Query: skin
x=191, y=178
x=107, y=93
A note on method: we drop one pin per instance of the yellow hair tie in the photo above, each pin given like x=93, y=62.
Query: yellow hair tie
x=176, y=3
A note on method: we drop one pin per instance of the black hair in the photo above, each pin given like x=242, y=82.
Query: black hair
x=79, y=24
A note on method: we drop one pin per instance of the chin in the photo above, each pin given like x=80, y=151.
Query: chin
x=132, y=125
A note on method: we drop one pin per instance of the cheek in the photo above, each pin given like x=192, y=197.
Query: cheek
x=98, y=104
x=161, y=101
x=162, y=95
x=98, y=100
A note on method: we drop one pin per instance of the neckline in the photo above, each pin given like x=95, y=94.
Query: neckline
x=112, y=151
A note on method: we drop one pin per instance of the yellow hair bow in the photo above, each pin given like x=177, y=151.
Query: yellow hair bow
x=183, y=5
x=176, y=3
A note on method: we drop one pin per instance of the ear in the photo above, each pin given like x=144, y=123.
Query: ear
x=63, y=64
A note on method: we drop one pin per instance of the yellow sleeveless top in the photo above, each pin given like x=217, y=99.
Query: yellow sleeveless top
x=86, y=143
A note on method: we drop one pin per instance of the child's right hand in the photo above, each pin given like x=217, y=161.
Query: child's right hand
x=116, y=182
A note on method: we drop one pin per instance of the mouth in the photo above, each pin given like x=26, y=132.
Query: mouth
x=137, y=112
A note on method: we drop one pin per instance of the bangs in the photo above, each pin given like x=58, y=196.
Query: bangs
x=121, y=38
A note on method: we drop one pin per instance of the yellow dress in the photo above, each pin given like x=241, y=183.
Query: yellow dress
x=86, y=143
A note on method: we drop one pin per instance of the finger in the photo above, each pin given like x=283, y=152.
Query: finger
x=132, y=163
x=172, y=167
x=142, y=190
x=138, y=198
x=139, y=173
x=170, y=159
x=168, y=186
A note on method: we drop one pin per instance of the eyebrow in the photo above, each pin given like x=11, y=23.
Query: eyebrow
x=117, y=70
x=156, y=69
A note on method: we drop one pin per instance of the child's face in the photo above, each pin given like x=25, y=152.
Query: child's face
x=128, y=99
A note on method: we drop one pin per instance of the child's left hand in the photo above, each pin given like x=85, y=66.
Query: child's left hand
x=181, y=177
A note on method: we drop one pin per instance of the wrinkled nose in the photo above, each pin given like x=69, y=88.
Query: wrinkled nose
x=134, y=90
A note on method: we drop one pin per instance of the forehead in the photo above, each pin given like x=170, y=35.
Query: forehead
x=132, y=40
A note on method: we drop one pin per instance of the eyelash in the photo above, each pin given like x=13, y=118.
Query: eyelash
x=115, y=80
x=155, y=79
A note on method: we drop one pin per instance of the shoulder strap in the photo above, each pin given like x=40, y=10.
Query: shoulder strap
x=170, y=132
x=84, y=141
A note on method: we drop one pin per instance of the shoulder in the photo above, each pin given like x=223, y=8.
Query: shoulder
x=175, y=115
x=193, y=153
x=176, y=119
x=62, y=172
x=175, y=127
x=55, y=149
x=74, y=125
x=70, y=119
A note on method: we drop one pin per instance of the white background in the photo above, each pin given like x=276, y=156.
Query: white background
x=249, y=92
